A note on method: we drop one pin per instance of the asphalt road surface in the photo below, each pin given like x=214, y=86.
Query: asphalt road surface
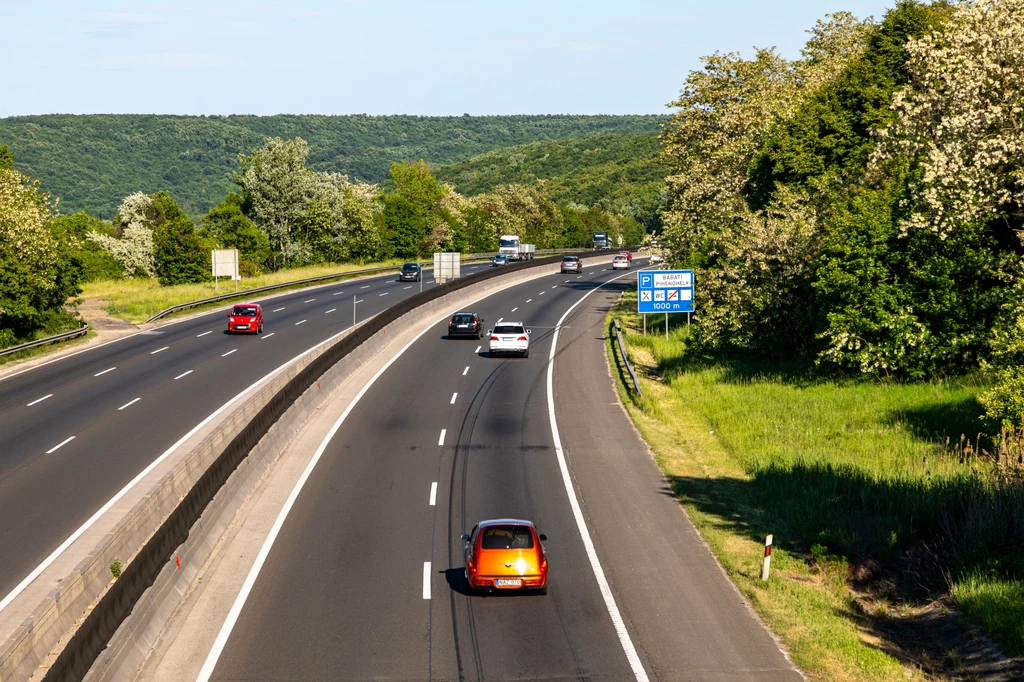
x=74, y=432
x=365, y=580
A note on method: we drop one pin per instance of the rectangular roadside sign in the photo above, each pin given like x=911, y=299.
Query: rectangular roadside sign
x=664, y=291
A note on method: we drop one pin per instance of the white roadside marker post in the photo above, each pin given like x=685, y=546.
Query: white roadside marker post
x=767, y=557
x=353, y=311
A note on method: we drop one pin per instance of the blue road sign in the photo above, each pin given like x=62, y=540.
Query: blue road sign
x=664, y=291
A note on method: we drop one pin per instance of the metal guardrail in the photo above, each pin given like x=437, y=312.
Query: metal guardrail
x=313, y=280
x=625, y=359
x=73, y=334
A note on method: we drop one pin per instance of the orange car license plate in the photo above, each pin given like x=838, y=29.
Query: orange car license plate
x=508, y=582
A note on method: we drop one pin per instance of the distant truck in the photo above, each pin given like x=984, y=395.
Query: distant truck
x=601, y=240
x=509, y=245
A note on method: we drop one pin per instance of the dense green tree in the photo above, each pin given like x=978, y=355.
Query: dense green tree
x=181, y=255
x=73, y=230
x=6, y=158
x=228, y=227
x=406, y=226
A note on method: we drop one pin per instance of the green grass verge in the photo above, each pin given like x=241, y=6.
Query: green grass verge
x=138, y=299
x=45, y=350
x=832, y=470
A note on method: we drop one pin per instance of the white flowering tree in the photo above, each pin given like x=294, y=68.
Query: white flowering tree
x=962, y=118
x=133, y=249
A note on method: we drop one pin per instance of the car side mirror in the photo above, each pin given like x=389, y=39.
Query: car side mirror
x=490, y=331
x=529, y=331
x=543, y=538
x=465, y=537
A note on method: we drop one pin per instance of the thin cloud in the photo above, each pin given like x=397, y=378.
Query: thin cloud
x=165, y=60
x=130, y=18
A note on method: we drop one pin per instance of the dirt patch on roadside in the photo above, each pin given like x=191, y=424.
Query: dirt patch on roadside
x=107, y=327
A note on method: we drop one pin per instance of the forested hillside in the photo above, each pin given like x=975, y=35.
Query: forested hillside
x=92, y=162
x=619, y=172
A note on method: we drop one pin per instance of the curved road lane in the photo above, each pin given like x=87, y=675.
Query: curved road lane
x=75, y=431
x=365, y=580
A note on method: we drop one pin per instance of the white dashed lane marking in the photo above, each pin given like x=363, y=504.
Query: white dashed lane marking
x=183, y=375
x=299, y=322
x=515, y=309
x=158, y=350
x=104, y=372
x=59, y=445
x=267, y=336
x=229, y=352
x=440, y=441
x=385, y=293
x=204, y=333
x=433, y=494
x=528, y=300
x=330, y=311
x=465, y=371
x=39, y=400
x=426, y=580
x=366, y=287
x=310, y=300
x=337, y=293
x=454, y=396
x=408, y=287
x=129, y=404
x=277, y=310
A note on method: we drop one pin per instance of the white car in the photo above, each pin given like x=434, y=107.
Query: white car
x=509, y=337
x=655, y=258
x=620, y=263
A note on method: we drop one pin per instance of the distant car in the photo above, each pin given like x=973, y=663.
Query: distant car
x=627, y=254
x=246, y=317
x=506, y=554
x=500, y=259
x=509, y=337
x=655, y=258
x=571, y=264
x=466, y=324
x=620, y=263
x=410, y=272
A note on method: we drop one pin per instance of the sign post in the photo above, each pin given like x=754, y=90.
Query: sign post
x=664, y=291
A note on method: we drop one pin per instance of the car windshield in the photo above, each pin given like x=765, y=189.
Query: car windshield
x=620, y=258
x=246, y=311
x=570, y=259
x=410, y=267
x=509, y=329
x=463, y=318
x=507, y=537
x=503, y=243
x=502, y=257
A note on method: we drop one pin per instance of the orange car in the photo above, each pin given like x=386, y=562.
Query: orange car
x=506, y=554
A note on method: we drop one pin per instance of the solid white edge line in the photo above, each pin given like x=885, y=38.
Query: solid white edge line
x=129, y=404
x=184, y=375
x=261, y=558
x=433, y=494
x=204, y=333
x=104, y=372
x=577, y=512
x=52, y=450
x=426, y=580
x=13, y=594
x=454, y=396
x=159, y=350
x=50, y=395
x=440, y=441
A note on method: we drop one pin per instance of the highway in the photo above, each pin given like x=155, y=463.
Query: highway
x=75, y=431
x=365, y=579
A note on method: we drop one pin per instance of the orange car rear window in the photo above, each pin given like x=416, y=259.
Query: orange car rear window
x=507, y=537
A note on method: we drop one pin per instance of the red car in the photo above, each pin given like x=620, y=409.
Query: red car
x=627, y=254
x=506, y=554
x=246, y=317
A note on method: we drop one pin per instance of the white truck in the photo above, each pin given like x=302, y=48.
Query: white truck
x=509, y=245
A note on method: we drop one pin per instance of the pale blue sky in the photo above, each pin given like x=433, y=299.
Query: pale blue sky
x=432, y=57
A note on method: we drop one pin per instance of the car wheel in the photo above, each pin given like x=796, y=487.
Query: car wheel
x=526, y=353
x=490, y=353
x=260, y=330
x=543, y=590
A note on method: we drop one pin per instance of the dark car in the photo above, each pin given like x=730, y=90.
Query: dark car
x=466, y=324
x=246, y=317
x=571, y=264
x=410, y=272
